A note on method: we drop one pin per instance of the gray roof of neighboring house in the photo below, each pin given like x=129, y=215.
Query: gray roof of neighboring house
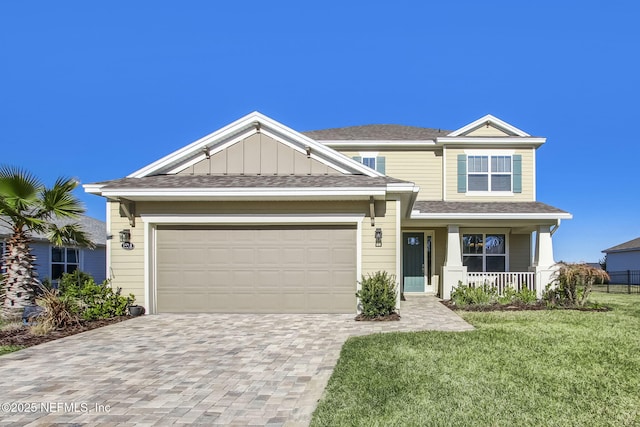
x=96, y=229
x=377, y=133
x=439, y=207
x=247, y=181
x=631, y=245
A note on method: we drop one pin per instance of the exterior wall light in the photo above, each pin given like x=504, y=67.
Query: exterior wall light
x=378, y=237
x=125, y=236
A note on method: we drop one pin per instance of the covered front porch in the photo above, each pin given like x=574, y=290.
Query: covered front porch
x=498, y=244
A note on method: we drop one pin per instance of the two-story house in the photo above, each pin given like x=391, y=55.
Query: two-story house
x=258, y=217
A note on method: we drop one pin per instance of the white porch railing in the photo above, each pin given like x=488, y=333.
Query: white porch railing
x=501, y=281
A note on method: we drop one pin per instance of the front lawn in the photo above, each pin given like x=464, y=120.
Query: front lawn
x=553, y=367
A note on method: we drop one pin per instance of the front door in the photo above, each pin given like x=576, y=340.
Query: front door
x=413, y=262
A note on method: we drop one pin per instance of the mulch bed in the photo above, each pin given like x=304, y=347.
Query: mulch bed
x=23, y=337
x=517, y=307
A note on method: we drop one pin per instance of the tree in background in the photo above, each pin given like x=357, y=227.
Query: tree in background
x=27, y=206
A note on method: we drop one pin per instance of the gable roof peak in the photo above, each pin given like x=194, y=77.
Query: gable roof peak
x=250, y=124
x=489, y=120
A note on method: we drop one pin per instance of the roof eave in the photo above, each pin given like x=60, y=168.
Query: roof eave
x=506, y=140
x=499, y=216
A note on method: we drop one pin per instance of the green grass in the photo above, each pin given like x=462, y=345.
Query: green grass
x=542, y=368
x=4, y=349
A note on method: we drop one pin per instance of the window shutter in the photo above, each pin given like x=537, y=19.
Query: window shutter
x=517, y=173
x=380, y=164
x=462, y=173
x=357, y=159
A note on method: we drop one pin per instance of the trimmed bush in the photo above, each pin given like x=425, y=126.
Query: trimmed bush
x=378, y=294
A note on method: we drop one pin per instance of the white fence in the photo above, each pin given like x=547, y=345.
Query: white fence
x=501, y=281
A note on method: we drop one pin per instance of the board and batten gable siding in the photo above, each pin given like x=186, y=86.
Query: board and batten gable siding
x=127, y=266
x=259, y=155
x=527, y=193
x=422, y=167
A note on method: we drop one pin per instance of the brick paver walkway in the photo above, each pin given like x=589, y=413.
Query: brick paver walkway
x=225, y=369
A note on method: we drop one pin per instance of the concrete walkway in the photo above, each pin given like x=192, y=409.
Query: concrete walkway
x=210, y=369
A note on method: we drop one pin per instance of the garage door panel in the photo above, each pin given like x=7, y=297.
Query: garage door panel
x=253, y=269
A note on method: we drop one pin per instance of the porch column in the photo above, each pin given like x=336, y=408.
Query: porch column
x=453, y=271
x=543, y=262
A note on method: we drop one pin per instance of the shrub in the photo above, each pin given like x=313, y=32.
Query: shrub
x=526, y=296
x=378, y=294
x=58, y=311
x=96, y=301
x=71, y=283
x=464, y=295
x=573, y=284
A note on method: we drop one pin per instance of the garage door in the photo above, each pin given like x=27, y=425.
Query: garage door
x=256, y=270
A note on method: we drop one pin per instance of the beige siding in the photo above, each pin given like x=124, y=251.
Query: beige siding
x=127, y=267
x=519, y=252
x=380, y=258
x=258, y=155
x=528, y=174
x=487, y=131
x=422, y=167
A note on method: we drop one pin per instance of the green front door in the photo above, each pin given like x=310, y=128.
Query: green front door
x=413, y=262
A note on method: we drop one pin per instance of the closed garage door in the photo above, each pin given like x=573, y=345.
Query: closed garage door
x=309, y=269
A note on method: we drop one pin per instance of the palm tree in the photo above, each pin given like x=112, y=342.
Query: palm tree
x=27, y=207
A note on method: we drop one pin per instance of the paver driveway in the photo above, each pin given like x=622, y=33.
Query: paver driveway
x=193, y=369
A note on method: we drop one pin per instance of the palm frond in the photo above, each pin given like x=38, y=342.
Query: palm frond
x=59, y=201
x=18, y=190
x=70, y=234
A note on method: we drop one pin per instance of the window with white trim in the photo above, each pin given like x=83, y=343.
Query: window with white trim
x=371, y=160
x=484, y=252
x=64, y=260
x=489, y=173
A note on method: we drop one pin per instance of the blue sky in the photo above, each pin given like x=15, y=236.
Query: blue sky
x=96, y=90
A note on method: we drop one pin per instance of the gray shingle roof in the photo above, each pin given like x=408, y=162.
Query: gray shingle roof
x=96, y=229
x=247, y=181
x=377, y=133
x=439, y=207
x=626, y=246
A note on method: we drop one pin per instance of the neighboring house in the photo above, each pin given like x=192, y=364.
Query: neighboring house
x=52, y=261
x=623, y=257
x=258, y=217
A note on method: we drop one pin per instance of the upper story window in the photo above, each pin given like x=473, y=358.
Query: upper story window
x=372, y=160
x=64, y=260
x=489, y=173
